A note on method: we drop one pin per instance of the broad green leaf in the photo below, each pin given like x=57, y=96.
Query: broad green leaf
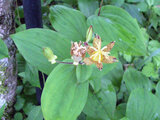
x=149, y=70
x=31, y=75
x=31, y=42
x=117, y=2
x=134, y=1
x=63, y=98
x=143, y=105
x=101, y=105
x=135, y=79
x=88, y=7
x=115, y=24
x=3, y=50
x=115, y=75
x=124, y=118
x=83, y=72
x=120, y=111
x=158, y=90
x=35, y=114
x=2, y=110
x=97, y=75
x=69, y=22
x=18, y=116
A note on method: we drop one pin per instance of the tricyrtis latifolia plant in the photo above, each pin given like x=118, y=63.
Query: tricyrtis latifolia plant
x=97, y=54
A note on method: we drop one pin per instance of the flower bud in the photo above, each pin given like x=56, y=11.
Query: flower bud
x=89, y=33
x=48, y=53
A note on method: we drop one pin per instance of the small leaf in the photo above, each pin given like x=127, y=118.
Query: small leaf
x=19, y=103
x=2, y=110
x=3, y=50
x=18, y=116
x=149, y=70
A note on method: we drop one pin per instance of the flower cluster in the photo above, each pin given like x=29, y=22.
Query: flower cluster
x=97, y=54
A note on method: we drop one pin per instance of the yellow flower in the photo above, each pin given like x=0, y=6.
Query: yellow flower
x=98, y=55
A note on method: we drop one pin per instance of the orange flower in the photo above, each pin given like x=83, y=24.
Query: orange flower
x=98, y=55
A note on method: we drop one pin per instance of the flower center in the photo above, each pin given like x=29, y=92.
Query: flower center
x=97, y=56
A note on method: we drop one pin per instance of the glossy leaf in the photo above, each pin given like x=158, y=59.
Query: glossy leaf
x=101, y=105
x=69, y=22
x=63, y=98
x=135, y=79
x=31, y=42
x=143, y=105
x=3, y=50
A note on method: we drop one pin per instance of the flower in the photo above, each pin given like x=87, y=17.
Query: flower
x=78, y=52
x=49, y=55
x=98, y=55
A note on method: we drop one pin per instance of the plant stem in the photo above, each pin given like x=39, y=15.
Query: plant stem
x=69, y=63
x=100, y=7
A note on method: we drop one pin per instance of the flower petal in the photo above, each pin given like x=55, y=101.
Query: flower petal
x=108, y=47
x=97, y=42
x=99, y=66
x=109, y=59
x=88, y=61
x=91, y=50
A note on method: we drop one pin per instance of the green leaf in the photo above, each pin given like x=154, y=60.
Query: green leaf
x=63, y=98
x=154, y=49
x=28, y=107
x=124, y=118
x=120, y=111
x=31, y=75
x=150, y=71
x=88, y=7
x=18, y=116
x=35, y=114
x=115, y=75
x=2, y=110
x=19, y=103
x=69, y=22
x=97, y=75
x=158, y=90
x=101, y=105
x=134, y=12
x=142, y=105
x=115, y=24
x=31, y=42
x=83, y=72
x=135, y=79
x=118, y=3
x=3, y=50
